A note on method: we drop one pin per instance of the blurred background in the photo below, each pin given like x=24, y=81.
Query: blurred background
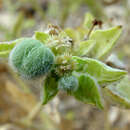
x=19, y=107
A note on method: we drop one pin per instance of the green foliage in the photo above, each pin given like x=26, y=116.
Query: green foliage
x=105, y=40
x=6, y=47
x=72, y=33
x=85, y=47
x=68, y=83
x=31, y=59
x=69, y=61
x=41, y=36
x=77, y=35
x=102, y=73
x=4, y=54
x=88, y=21
x=88, y=90
x=50, y=89
x=118, y=93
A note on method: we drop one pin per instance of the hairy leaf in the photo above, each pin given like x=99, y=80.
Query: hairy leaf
x=88, y=21
x=41, y=36
x=72, y=33
x=77, y=35
x=119, y=94
x=50, y=89
x=6, y=47
x=105, y=40
x=85, y=47
x=88, y=90
x=99, y=70
x=4, y=54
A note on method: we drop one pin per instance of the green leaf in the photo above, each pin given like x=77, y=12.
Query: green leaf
x=41, y=36
x=88, y=20
x=118, y=94
x=72, y=34
x=50, y=89
x=6, y=47
x=4, y=54
x=105, y=40
x=85, y=47
x=76, y=34
x=99, y=70
x=88, y=90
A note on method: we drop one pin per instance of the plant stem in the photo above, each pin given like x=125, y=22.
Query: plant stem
x=34, y=111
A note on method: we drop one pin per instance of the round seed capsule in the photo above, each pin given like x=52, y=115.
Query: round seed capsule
x=68, y=83
x=31, y=58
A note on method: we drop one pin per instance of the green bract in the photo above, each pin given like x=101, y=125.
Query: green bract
x=31, y=59
x=88, y=90
x=50, y=89
x=68, y=83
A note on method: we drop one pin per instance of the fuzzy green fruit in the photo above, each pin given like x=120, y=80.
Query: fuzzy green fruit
x=68, y=83
x=31, y=58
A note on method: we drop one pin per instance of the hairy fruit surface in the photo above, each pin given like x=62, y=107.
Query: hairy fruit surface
x=68, y=83
x=31, y=59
